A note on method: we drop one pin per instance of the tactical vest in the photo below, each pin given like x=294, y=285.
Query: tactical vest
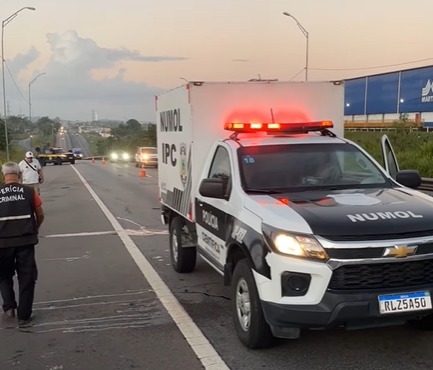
x=17, y=219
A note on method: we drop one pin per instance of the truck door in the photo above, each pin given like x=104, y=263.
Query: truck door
x=212, y=214
x=389, y=159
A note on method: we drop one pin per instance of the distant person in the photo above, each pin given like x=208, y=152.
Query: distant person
x=32, y=173
x=21, y=215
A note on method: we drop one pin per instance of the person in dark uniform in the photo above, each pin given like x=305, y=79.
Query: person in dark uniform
x=21, y=215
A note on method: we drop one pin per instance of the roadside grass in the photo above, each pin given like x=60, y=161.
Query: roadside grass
x=16, y=154
x=414, y=150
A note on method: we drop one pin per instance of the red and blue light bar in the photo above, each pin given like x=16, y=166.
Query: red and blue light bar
x=251, y=127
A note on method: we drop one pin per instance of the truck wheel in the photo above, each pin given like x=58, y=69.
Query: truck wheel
x=182, y=259
x=42, y=162
x=73, y=161
x=251, y=327
x=59, y=161
x=426, y=323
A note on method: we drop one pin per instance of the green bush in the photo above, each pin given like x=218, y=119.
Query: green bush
x=414, y=150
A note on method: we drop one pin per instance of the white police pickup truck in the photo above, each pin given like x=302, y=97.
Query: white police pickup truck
x=308, y=229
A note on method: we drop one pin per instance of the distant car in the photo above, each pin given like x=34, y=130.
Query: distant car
x=119, y=156
x=78, y=153
x=57, y=156
x=146, y=156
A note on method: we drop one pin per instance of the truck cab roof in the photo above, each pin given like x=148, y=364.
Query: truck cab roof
x=261, y=140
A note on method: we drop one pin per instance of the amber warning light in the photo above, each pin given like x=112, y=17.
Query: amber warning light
x=251, y=127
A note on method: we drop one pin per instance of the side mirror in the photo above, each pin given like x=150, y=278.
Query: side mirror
x=409, y=178
x=212, y=188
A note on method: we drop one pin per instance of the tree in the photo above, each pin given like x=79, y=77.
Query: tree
x=133, y=125
x=47, y=127
x=151, y=134
x=18, y=125
x=3, y=136
x=128, y=136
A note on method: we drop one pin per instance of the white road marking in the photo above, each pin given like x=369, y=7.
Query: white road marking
x=132, y=222
x=141, y=232
x=96, y=233
x=67, y=259
x=208, y=356
x=145, y=232
x=130, y=292
x=104, y=303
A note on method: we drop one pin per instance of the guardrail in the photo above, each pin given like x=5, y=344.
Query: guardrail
x=426, y=184
x=96, y=158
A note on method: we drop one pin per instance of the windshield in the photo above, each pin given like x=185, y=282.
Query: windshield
x=296, y=167
x=149, y=151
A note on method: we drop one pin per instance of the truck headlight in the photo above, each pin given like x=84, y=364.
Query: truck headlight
x=291, y=244
x=114, y=156
x=125, y=156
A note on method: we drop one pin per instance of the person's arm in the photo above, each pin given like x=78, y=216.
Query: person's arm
x=41, y=174
x=39, y=212
x=20, y=176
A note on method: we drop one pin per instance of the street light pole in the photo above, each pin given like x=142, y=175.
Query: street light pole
x=30, y=96
x=4, y=24
x=305, y=32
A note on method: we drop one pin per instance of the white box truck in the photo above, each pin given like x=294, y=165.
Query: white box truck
x=308, y=229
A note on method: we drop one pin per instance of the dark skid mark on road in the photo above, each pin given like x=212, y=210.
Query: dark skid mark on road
x=112, y=313
x=206, y=294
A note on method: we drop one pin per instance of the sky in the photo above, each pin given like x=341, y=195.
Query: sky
x=109, y=58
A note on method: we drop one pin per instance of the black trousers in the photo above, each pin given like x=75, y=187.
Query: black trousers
x=22, y=261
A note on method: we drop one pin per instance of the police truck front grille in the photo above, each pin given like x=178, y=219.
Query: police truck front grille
x=382, y=275
x=377, y=252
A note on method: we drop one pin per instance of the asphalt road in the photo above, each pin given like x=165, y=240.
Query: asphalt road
x=73, y=140
x=95, y=310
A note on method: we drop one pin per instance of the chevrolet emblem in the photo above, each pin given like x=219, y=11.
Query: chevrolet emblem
x=400, y=251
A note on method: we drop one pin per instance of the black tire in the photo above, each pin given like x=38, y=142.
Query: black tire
x=73, y=161
x=136, y=164
x=42, y=162
x=182, y=259
x=426, y=323
x=251, y=327
x=59, y=161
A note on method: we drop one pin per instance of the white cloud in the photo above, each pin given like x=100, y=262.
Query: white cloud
x=68, y=89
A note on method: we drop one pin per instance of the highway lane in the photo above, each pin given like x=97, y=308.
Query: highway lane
x=69, y=140
x=79, y=141
x=93, y=307
x=134, y=202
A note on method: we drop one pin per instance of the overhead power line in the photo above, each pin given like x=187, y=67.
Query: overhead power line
x=376, y=67
x=12, y=77
x=297, y=74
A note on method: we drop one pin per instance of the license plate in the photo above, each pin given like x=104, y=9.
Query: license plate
x=395, y=303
